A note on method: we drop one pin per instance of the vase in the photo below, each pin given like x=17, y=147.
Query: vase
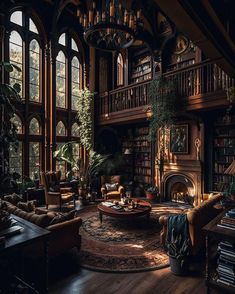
x=150, y=195
x=178, y=266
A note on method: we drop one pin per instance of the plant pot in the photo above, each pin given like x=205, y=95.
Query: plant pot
x=150, y=195
x=82, y=192
x=178, y=266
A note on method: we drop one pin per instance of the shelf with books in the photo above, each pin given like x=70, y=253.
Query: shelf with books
x=224, y=154
x=220, y=253
x=141, y=154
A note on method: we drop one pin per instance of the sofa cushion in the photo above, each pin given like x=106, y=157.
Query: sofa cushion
x=111, y=187
x=60, y=217
x=13, y=198
x=28, y=206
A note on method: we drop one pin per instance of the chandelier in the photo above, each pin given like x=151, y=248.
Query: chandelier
x=112, y=27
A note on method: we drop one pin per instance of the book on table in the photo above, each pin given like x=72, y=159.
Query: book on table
x=11, y=231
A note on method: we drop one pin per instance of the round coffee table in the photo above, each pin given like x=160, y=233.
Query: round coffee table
x=143, y=208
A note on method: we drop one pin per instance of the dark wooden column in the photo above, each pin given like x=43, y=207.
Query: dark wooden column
x=52, y=101
x=46, y=77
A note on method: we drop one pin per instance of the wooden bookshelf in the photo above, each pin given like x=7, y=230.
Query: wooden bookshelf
x=141, y=69
x=140, y=164
x=224, y=153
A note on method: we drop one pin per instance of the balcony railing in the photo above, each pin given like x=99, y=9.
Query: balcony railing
x=198, y=80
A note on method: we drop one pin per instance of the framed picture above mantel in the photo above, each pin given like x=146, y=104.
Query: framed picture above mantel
x=179, y=139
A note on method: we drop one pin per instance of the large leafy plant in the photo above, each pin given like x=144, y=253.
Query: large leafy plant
x=9, y=94
x=86, y=169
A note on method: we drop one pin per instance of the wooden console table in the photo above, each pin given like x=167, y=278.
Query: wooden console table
x=31, y=234
x=215, y=233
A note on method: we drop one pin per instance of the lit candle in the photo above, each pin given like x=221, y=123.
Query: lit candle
x=131, y=22
x=85, y=21
x=111, y=9
x=139, y=14
x=125, y=17
x=90, y=16
x=78, y=12
x=98, y=16
x=81, y=20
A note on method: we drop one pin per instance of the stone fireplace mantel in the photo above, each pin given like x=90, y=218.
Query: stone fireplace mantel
x=188, y=172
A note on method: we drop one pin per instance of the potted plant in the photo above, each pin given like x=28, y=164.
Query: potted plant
x=178, y=250
x=151, y=192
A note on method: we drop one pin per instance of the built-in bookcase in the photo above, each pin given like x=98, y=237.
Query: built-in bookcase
x=224, y=153
x=140, y=164
x=141, y=69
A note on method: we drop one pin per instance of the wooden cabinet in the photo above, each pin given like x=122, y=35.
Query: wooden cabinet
x=224, y=154
x=215, y=234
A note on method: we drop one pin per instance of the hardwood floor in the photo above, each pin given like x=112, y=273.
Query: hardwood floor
x=159, y=281
x=68, y=278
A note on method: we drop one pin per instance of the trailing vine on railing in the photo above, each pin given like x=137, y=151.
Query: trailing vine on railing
x=163, y=102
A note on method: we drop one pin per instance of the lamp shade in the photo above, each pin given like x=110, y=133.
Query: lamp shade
x=128, y=151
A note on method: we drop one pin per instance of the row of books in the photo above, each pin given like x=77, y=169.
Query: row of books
x=226, y=263
x=228, y=220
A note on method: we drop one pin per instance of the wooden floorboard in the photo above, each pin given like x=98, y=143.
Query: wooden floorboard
x=159, y=281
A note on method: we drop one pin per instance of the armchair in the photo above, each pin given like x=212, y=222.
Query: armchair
x=54, y=194
x=111, y=187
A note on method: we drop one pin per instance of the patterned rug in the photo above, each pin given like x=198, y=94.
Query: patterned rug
x=121, y=245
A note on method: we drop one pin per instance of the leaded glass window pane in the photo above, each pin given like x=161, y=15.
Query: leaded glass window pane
x=18, y=123
x=34, y=160
x=32, y=26
x=60, y=80
x=60, y=129
x=74, y=45
x=75, y=82
x=120, y=68
x=62, y=39
x=34, y=127
x=16, y=57
x=75, y=130
x=17, y=18
x=34, y=71
x=61, y=165
x=15, y=159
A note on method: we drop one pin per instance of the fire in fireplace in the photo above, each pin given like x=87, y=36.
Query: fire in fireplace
x=180, y=189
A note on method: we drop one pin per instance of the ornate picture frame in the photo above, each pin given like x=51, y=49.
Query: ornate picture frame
x=181, y=44
x=179, y=139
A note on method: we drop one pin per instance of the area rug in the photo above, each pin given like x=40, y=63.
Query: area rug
x=123, y=245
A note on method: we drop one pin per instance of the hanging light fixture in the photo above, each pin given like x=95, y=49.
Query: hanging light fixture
x=111, y=28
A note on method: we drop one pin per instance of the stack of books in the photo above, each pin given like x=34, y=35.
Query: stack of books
x=228, y=221
x=226, y=263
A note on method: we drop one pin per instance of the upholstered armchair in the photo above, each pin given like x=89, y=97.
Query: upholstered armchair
x=111, y=187
x=54, y=194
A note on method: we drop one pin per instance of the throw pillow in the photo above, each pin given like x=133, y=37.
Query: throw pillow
x=13, y=198
x=111, y=187
x=40, y=211
x=54, y=188
x=61, y=217
x=27, y=206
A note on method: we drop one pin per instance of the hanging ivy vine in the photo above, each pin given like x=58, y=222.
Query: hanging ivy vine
x=163, y=102
x=84, y=116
